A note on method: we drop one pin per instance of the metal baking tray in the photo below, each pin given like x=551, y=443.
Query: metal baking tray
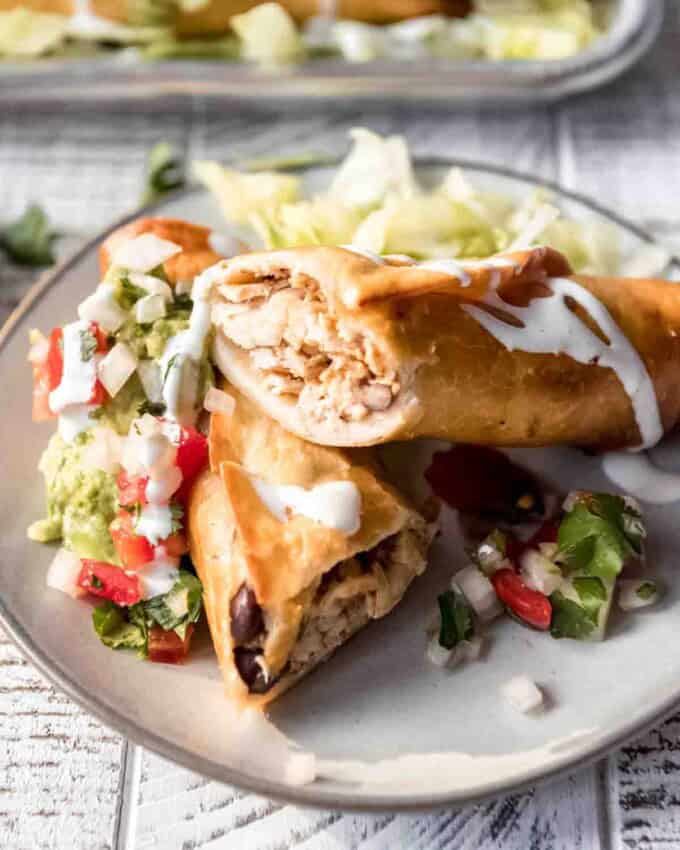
x=633, y=28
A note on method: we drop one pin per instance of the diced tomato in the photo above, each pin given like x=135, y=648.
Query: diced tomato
x=131, y=489
x=176, y=545
x=41, y=392
x=527, y=604
x=547, y=533
x=167, y=647
x=192, y=458
x=55, y=358
x=481, y=480
x=109, y=582
x=134, y=550
x=101, y=337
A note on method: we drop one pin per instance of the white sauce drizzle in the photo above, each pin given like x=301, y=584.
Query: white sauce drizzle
x=159, y=575
x=182, y=355
x=637, y=475
x=74, y=420
x=364, y=252
x=452, y=267
x=79, y=375
x=550, y=327
x=101, y=307
x=335, y=504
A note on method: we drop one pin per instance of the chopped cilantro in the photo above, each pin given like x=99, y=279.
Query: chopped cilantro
x=154, y=408
x=178, y=608
x=592, y=594
x=28, y=240
x=96, y=582
x=569, y=619
x=456, y=619
x=127, y=294
x=171, y=364
x=177, y=512
x=118, y=631
x=646, y=590
x=597, y=536
x=183, y=301
x=88, y=345
x=164, y=172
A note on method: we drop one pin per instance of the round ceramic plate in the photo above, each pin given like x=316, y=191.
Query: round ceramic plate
x=387, y=730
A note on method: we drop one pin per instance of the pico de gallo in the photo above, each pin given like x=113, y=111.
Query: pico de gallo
x=555, y=571
x=126, y=383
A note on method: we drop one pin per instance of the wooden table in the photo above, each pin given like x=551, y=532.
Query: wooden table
x=66, y=782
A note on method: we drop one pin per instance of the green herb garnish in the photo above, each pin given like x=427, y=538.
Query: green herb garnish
x=88, y=345
x=116, y=630
x=96, y=582
x=178, y=608
x=599, y=534
x=646, y=590
x=127, y=294
x=164, y=172
x=457, y=623
x=28, y=240
x=569, y=619
x=177, y=512
x=154, y=408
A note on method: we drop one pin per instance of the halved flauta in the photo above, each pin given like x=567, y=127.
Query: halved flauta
x=346, y=348
x=298, y=546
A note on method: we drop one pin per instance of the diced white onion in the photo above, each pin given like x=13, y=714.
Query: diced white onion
x=479, y=592
x=144, y=253
x=149, y=308
x=63, y=573
x=472, y=649
x=300, y=768
x=571, y=501
x=523, y=694
x=39, y=346
x=150, y=375
x=152, y=284
x=629, y=598
x=217, y=401
x=437, y=654
x=116, y=367
x=548, y=550
x=539, y=573
x=103, y=451
x=101, y=307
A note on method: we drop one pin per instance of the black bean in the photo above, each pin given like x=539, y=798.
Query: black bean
x=246, y=615
x=249, y=669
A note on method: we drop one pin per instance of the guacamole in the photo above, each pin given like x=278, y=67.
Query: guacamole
x=81, y=502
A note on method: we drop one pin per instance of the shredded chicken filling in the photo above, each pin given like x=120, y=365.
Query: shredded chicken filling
x=353, y=592
x=303, y=352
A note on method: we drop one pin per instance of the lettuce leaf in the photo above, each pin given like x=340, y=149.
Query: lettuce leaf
x=268, y=35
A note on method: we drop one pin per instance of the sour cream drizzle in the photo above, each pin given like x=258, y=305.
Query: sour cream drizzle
x=637, y=475
x=182, y=356
x=335, y=504
x=550, y=327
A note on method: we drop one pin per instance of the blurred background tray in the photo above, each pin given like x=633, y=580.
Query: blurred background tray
x=633, y=27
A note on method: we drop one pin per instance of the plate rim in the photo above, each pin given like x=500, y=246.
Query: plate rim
x=318, y=797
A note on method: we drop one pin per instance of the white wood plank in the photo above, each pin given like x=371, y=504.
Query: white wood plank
x=59, y=768
x=178, y=810
x=644, y=791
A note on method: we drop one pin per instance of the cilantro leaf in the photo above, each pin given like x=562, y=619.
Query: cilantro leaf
x=456, y=619
x=154, y=408
x=599, y=534
x=116, y=631
x=28, y=240
x=647, y=590
x=178, y=608
x=126, y=293
x=569, y=619
x=177, y=513
x=88, y=345
x=592, y=594
x=164, y=172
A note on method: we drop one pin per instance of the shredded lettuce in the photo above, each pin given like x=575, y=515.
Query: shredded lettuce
x=268, y=35
x=25, y=34
x=375, y=202
x=240, y=195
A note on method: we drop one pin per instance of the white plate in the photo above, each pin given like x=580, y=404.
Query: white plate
x=376, y=700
